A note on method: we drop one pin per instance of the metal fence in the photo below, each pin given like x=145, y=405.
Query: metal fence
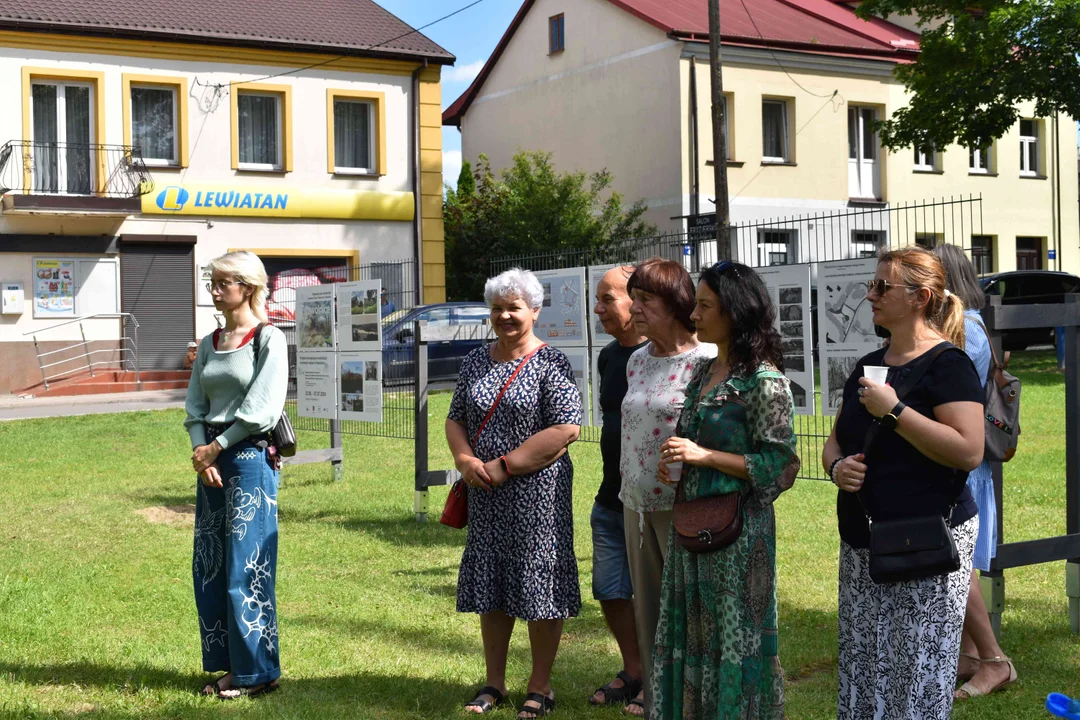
x=399, y=280
x=857, y=232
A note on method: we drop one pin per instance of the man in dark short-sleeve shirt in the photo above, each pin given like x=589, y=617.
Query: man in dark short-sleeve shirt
x=611, y=571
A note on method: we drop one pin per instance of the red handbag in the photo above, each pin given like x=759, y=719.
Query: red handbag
x=455, y=513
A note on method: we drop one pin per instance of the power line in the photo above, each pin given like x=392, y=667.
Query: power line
x=765, y=165
x=777, y=60
x=342, y=57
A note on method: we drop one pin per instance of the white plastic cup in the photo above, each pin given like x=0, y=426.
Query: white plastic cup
x=876, y=373
x=674, y=471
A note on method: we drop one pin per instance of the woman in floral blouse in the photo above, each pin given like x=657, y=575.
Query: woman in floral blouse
x=657, y=376
x=715, y=650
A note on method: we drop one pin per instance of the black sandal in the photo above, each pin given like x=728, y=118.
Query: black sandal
x=545, y=706
x=212, y=689
x=630, y=688
x=249, y=692
x=486, y=706
x=636, y=702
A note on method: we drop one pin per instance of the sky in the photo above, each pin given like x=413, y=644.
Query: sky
x=471, y=37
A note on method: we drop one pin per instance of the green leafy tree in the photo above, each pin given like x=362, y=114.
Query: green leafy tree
x=529, y=207
x=466, y=183
x=978, y=59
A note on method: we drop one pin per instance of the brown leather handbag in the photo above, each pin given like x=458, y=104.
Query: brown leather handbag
x=709, y=523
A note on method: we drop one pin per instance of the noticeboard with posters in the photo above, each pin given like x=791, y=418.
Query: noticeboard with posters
x=359, y=322
x=360, y=386
x=789, y=288
x=845, y=324
x=564, y=312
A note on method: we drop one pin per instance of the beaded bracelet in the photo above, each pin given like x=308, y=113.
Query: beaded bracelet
x=832, y=468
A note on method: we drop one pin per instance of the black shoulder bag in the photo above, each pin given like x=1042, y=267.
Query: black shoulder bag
x=282, y=435
x=911, y=548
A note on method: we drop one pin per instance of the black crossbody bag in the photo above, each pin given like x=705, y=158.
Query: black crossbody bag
x=911, y=548
x=282, y=435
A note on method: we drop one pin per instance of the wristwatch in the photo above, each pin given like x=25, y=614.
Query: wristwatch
x=891, y=418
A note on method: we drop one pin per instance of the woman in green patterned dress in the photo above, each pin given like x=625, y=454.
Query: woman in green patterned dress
x=716, y=644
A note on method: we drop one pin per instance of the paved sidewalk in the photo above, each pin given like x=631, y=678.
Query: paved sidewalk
x=16, y=408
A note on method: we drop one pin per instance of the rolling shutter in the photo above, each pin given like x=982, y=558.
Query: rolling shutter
x=157, y=287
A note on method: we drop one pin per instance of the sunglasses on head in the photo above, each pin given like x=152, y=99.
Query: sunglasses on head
x=724, y=266
x=883, y=286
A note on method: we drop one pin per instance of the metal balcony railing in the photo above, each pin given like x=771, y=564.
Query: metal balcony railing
x=56, y=168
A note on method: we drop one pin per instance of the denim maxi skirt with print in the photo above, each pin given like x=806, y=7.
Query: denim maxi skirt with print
x=235, y=565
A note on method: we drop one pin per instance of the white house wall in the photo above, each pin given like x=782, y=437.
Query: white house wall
x=601, y=103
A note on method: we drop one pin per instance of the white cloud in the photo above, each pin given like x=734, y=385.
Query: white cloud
x=463, y=73
x=451, y=167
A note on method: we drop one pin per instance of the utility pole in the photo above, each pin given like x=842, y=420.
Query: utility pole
x=723, y=211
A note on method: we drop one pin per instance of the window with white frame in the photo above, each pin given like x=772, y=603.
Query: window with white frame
x=777, y=247
x=925, y=159
x=774, y=131
x=354, y=141
x=1029, y=147
x=979, y=161
x=259, y=130
x=866, y=243
x=61, y=126
x=154, y=123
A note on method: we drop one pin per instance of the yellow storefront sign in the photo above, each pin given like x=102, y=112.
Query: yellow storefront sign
x=274, y=202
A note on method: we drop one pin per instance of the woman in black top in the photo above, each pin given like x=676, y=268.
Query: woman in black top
x=899, y=642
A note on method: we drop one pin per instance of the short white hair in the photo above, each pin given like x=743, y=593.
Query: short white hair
x=515, y=284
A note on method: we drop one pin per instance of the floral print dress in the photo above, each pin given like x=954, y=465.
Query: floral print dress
x=716, y=652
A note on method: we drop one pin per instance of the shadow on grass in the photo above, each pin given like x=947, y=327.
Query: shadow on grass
x=360, y=695
x=399, y=532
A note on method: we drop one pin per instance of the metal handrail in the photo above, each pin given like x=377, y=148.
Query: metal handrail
x=103, y=316
x=126, y=352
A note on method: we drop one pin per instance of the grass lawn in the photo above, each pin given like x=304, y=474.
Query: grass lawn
x=97, y=617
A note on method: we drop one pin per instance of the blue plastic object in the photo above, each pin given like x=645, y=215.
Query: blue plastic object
x=1063, y=706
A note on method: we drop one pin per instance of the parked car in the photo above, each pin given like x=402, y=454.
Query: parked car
x=444, y=358
x=1029, y=287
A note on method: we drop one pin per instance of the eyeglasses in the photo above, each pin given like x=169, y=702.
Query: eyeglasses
x=220, y=285
x=883, y=286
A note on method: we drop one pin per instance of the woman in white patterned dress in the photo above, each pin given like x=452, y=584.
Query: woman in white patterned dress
x=899, y=642
x=657, y=376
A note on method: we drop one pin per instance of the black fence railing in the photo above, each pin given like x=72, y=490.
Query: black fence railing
x=399, y=388
x=62, y=168
x=851, y=233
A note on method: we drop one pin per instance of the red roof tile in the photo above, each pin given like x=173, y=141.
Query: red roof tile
x=815, y=26
x=347, y=27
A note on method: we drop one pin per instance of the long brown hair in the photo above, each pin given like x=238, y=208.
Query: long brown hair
x=921, y=268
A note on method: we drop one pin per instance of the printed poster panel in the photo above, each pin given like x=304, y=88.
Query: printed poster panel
x=789, y=287
x=203, y=298
x=360, y=386
x=315, y=319
x=845, y=324
x=597, y=413
x=358, y=322
x=600, y=337
x=579, y=361
x=316, y=384
x=54, y=288
x=564, y=314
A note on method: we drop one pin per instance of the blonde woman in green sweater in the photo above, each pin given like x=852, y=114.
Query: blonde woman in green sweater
x=234, y=399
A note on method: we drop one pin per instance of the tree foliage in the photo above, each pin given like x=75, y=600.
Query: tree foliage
x=978, y=60
x=529, y=207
